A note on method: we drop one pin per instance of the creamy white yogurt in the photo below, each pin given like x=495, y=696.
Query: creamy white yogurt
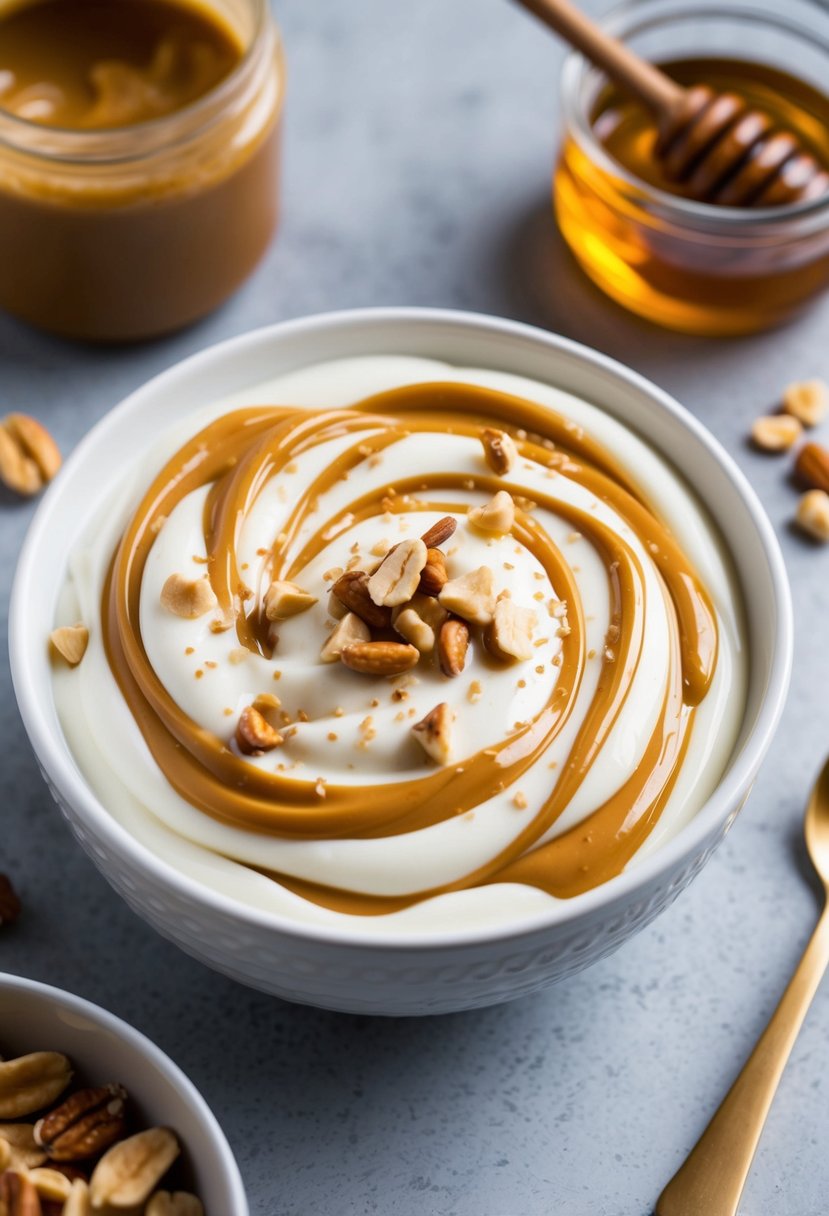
x=373, y=743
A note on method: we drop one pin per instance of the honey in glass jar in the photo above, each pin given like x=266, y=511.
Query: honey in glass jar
x=694, y=266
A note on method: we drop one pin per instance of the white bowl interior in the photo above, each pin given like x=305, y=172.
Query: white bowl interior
x=458, y=338
x=35, y=1017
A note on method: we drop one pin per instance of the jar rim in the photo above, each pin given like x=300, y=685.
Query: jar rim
x=628, y=18
x=105, y=145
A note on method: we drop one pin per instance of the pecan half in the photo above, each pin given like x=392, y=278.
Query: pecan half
x=380, y=658
x=453, y=643
x=32, y=1082
x=439, y=532
x=351, y=589
x=86, y=1124
x=9, y=901
x=127, y=1173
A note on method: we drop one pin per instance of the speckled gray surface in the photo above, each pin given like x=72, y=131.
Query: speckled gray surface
x=418, y=152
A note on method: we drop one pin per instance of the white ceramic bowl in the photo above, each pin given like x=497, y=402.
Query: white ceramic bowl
x=358, y=970
x=36, y=1017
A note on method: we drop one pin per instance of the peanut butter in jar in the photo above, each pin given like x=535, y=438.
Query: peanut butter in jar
x=139, y=146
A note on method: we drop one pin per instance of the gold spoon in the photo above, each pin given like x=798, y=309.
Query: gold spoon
x=711, y=1181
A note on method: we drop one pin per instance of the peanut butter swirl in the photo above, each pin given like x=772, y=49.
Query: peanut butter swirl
x=237, y=456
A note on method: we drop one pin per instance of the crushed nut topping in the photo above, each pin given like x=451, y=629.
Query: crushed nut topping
x=284, y=600
x=396, y=579
x=472, y=596
x=411, y=626
x=434, y=733
x=500, y=451
x=509, y=636
x=70, y=642
x=188, y=597
x=350, y=629
x=497, y=516
x=254, y=734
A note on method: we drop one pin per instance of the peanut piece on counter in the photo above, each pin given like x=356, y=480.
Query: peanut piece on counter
x=776, y=432
x=813, y=514
x=807, y=400
x=29, y=456
x=811, y=468
x=70, y=642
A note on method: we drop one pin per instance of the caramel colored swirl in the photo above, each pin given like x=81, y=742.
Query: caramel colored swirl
x=364, y=476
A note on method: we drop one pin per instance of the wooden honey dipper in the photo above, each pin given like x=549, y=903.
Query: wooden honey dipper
x=713, y=144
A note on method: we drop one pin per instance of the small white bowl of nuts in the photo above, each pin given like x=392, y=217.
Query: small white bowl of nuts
x=96, y=1121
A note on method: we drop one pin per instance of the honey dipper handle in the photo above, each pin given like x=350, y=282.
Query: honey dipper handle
x=624, y=66
x=711, y=1181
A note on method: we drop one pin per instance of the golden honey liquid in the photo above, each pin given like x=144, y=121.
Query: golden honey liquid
x=727, y=279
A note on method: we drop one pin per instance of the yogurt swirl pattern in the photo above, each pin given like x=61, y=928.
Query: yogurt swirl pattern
x=563, y=764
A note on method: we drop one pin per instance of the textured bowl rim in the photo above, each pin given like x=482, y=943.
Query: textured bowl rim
x=145, y=1047
x=729, y=793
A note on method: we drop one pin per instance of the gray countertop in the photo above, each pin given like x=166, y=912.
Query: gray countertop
x=419, y=145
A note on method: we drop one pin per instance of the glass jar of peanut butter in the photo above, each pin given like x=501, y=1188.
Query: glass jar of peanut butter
x=139, y=145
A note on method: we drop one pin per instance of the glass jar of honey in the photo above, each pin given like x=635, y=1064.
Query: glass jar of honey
x=692, y=266
x=139, y=149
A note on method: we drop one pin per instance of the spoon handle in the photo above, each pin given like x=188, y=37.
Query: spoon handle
x=712, y=1178
x=623, y=65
